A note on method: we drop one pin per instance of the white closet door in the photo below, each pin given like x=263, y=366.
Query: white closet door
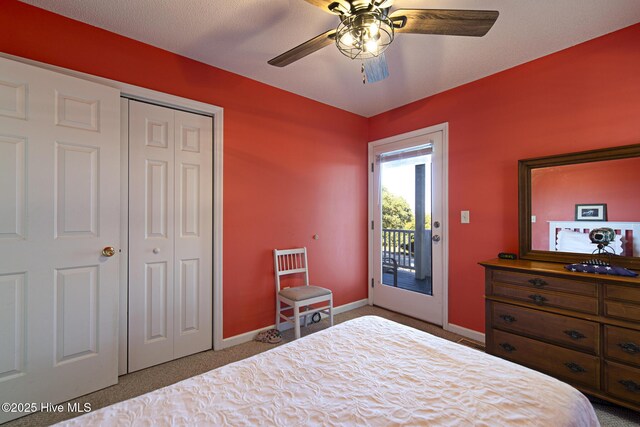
x=59, y=207
x=151, y=235
x=170, y=234
x=193, y=233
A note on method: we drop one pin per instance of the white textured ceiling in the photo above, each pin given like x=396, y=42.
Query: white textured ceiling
x=242, y=35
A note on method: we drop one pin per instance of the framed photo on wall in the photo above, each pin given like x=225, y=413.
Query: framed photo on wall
x=592, y=212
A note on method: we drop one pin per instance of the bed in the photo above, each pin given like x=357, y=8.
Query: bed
x=367, y=371
x=573, y=236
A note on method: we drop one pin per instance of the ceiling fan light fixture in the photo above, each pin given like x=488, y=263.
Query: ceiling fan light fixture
x=364, y=34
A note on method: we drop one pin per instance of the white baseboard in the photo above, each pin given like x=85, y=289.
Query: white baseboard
x=351, y=306
x=249, y=336
x=242, y=338
x=467, y=333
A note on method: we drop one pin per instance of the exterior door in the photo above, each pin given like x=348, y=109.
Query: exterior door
x=59, y=207
x=170, y=234
x=408, y=223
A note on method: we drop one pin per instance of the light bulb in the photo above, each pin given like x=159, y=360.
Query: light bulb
x=371, y=46
x=347, y=39
x=374, y=29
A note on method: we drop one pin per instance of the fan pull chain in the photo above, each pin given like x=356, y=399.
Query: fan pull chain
x=364, y=80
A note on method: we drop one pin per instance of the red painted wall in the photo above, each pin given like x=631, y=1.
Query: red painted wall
x=555, y=191
x=292, y=167
x=582, y=98
x=276, y=145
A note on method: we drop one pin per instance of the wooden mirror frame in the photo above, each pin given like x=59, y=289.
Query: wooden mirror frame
x=524, y=202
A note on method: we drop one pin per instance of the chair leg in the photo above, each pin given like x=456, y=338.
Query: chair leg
x=306, y=318
x=296, y=320
x=277, y=314
x=331, y=311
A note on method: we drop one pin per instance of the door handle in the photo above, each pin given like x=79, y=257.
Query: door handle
x=108, y=251
x=435, y=238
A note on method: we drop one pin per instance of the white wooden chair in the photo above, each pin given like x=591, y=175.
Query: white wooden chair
x=298, y=298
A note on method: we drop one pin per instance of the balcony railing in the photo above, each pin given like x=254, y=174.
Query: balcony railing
x=398, y=244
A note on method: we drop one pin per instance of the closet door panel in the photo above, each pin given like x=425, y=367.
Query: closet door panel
x=151, y=235
x=193, y=233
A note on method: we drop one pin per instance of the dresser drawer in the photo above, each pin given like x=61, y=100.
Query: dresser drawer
x=546, y=299
x=545, y=282
x=622, y=381
x=568, y=331
x=622, y=310
x=570, y=365
x=624, y=293
x=622, y=344
x=622, y=302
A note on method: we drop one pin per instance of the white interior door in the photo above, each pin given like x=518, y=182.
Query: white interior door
x=407, y=205
x=193, y=258
x=59, y=207
x=170, y=234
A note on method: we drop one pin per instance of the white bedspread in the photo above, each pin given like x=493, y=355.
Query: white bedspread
x=369, y=372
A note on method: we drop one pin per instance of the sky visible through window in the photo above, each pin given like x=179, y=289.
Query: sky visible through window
x=399, y=178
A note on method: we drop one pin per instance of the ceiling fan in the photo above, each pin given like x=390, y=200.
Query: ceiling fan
x=367, y=28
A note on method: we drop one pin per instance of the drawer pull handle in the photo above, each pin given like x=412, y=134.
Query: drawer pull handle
x=575, y=335
x=507, y=347
x=629, y=347
x=507, y=318
x=574, y=367
x=538, y=283
x=630, y=385
x=538, y=299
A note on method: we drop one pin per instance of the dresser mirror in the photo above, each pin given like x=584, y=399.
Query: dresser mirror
x=562, y=198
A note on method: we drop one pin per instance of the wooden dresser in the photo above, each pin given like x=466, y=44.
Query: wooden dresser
x=581, y=328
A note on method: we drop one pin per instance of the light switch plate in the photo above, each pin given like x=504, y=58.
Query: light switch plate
x=464, y=217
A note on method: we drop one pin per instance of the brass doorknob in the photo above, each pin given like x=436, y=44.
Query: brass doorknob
x=108, y=251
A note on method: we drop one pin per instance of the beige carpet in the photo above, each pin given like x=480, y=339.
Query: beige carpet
x=140, y=382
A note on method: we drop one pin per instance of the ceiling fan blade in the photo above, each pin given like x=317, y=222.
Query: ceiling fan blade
x=375, y=69
x=306, y=48
x=475, y=23
x=383, y=4
x=332, y=6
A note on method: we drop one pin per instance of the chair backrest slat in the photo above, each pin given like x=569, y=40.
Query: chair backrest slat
x=290, y=261
x=292, y=271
